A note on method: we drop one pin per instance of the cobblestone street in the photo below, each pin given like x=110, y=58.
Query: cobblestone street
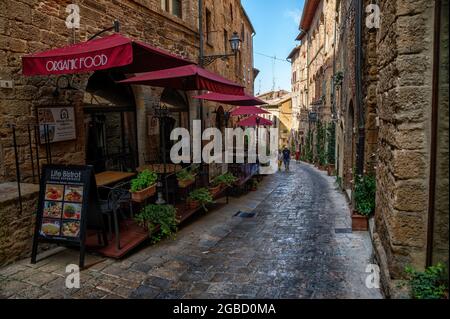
x=298, y=245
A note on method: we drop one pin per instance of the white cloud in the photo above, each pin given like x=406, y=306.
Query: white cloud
x=295, y=15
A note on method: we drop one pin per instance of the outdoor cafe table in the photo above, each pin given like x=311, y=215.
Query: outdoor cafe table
x=159, y=168
x=110, y=177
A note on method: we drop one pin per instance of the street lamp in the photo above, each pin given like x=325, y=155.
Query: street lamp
x=235, y=43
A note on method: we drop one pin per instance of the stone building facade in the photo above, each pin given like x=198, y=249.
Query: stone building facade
x=312, y=70
x=391, y=103
x=280, y=106
x=28, y=26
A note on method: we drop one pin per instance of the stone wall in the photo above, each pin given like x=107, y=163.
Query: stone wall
x=404, y=44
x=16, y=227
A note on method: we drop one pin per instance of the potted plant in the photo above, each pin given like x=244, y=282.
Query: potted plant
x=144, y=186
x=160, y=221
x=254, y=185
x=200, y=197
x=185, y=178
x=225, y=180
x=364, y=198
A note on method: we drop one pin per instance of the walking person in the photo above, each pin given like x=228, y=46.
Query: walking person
x=280, y=159
x=286, y=158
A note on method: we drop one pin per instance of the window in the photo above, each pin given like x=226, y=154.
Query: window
x=174, y=7
x=177, y=8
x=231, y=12
x=208, y=26
x=225, y=40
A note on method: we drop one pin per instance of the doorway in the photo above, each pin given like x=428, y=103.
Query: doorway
x=110, y=124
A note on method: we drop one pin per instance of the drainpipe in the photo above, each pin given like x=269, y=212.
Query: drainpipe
x=434, y=132
x=200, y=63
x=359, y=99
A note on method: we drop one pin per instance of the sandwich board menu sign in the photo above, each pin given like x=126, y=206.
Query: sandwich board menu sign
x=67, y=202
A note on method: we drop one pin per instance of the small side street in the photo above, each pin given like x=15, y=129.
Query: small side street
x=301, y=248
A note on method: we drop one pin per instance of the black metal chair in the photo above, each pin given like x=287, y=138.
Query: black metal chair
x=112, y=207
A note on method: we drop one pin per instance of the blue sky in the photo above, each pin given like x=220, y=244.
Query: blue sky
x=276, y=23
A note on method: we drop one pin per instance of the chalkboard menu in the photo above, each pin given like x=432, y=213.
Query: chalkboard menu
x=67, y=201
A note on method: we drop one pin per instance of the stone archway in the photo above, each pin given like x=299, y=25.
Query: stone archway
x=110, y=123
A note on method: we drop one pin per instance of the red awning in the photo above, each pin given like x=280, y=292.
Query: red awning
x=187, y=78
x=248, y=110
x=255, y=120
x=231, y=99
x=105, y=53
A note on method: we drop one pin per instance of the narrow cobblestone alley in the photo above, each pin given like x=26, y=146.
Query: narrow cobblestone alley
x=298, y=245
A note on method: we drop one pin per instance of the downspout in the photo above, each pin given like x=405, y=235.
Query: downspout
x=201, y=56
x=434, y=129
x=359, y=99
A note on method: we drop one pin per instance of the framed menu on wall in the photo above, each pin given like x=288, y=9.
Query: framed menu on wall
x=56, y=124
x=67, y=203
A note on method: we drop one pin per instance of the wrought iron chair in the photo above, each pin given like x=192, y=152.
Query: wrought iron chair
x=112, y=207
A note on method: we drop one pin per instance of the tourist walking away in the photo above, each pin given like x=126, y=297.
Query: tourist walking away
x=286, y=158
x=280, y=159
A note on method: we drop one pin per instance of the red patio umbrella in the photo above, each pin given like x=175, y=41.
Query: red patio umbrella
x=245, y=100
x=248, y=110
x=187, y=78
x=254, y=121
x=113, y=51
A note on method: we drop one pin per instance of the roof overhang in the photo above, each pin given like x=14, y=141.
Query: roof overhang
x=308, y=14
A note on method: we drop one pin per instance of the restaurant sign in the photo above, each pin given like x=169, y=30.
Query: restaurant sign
x=67, y=203
x=56, y=124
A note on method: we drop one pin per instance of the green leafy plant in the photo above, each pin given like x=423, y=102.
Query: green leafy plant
x=309, y=157
x=253, y=183
x=320, y=143
x=164, y=216
x=185, y=175
x=339, y=181
x=331, y=143
x=194, y=169
x=430, y=284
x=203, y=196
x=227, y=179
x=365, y=193
x=338, y=78
x=144, y=180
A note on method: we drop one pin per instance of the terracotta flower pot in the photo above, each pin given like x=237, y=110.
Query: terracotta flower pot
x=185, y=183
x=359, y=222
x=142, y=195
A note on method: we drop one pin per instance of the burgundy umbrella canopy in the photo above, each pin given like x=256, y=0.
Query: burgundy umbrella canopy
x=245, y=100
x=248, y=110
x=255, y=120
x=113, y=51
x=187, y=78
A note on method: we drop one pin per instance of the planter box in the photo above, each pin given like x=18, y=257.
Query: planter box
x=359, y=222
x=192, y=204
x=142, y=195
x=214, y=190
x=185, y=184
